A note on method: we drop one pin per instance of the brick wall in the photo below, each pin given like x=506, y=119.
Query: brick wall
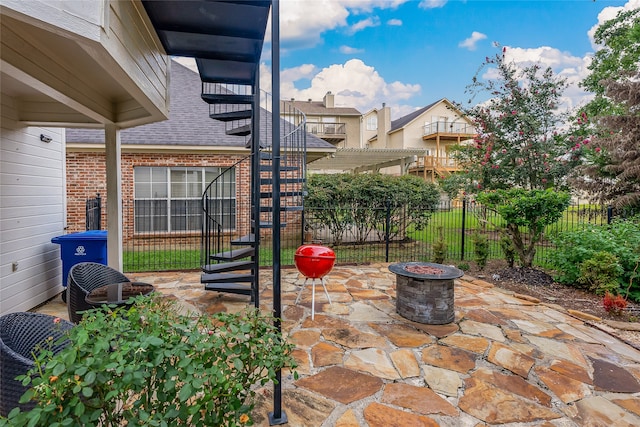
x=86, y=176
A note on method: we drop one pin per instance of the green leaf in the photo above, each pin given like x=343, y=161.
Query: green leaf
x=185, y=392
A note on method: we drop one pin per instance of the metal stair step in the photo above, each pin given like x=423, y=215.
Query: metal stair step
x=239, y=131
x=249, y=239
x=229, y=116
x=219, y=98
x=233, y=254
x=269, y=224
x=232, y=288
x=269, y=194
x=268, y=168
x=282, y=208
x=227, y=278
x=228, y=266
x=269, y=181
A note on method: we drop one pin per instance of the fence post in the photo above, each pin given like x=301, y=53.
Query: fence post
x=609, y=214
x=387, y=226
x=464, y=218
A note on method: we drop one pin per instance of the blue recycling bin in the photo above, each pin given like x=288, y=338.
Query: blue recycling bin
x=87, y=246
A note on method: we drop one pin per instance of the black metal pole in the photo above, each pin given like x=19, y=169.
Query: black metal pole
x=277, y=416
x=387, y=226
x=464, y=218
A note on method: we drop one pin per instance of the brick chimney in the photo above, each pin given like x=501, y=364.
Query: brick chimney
x=384, y=125
x=328, y=100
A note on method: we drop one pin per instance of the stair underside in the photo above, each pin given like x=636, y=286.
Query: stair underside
x=229, y=116
x=231, y=288
x=217, y=98
x=239, y=131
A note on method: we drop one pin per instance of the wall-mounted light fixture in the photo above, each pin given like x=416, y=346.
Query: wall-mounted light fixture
x=45, y=138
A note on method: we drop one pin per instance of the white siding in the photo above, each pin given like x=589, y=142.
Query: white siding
x=31, y=212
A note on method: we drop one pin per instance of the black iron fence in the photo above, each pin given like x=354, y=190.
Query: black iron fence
x=391, y=238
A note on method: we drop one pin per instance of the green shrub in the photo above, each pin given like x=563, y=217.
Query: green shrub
x=480, y=249
x=464, y=266
x=601, y=273
x=150, y=365
x=621, y=239
x=508, y=250
x=440, y=248
x=359, y=204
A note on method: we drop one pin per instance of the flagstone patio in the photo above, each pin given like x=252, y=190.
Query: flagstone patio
x=506, y=360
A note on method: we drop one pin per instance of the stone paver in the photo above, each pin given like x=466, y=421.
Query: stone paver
x=505, y=360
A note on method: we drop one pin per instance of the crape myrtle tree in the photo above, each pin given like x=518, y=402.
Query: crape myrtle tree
x=518, y=141
x=519, y=154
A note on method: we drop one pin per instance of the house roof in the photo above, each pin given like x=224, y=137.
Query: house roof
x=188, y=125
x=317, y=108
x=403, y=121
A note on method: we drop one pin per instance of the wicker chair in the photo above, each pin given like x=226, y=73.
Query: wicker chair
x=84, y=278
x=20, y=335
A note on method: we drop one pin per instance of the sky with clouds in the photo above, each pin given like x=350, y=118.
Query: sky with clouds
x=410, y=53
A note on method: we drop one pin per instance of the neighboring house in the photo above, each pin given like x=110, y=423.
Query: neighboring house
x=166, y=167
x=338, y=125
x=418, y=143
x=434, y=129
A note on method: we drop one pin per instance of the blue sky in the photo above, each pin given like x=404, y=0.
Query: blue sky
x=409, y=53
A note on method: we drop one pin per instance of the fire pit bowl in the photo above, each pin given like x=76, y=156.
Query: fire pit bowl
x=314, y=261
x=424, y=291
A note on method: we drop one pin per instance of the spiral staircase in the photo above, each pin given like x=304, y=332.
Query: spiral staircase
x=233, y=222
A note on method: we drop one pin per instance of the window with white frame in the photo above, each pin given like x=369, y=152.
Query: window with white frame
x=372, y=122
x=169, y=198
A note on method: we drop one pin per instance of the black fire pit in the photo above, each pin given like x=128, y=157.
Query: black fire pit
x=424, y=291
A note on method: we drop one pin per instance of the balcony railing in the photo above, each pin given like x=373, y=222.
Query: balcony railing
x=329, y=129
x=448, y=128
x=437, y=162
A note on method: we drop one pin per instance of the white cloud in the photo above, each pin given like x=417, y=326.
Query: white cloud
x=572, y=68
x=472, y=42
x=608, y=13
x=354, y=83
x=432, y=4
x=394, y=22
x=302, y=22
x=348, y=50
x=373, y=21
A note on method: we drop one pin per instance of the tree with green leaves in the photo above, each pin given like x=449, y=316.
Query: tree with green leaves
x=518, y=142
x=618, y=55
x=530, y=210
x=610, y=172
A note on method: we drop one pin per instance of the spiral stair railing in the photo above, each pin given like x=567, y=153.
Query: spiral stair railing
x=235, y=222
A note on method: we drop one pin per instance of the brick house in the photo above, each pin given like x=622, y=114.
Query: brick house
x=165, y=167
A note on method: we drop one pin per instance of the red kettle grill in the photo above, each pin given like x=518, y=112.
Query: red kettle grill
x=314, y=262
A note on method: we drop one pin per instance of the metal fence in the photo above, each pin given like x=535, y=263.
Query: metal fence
x=394, y=238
